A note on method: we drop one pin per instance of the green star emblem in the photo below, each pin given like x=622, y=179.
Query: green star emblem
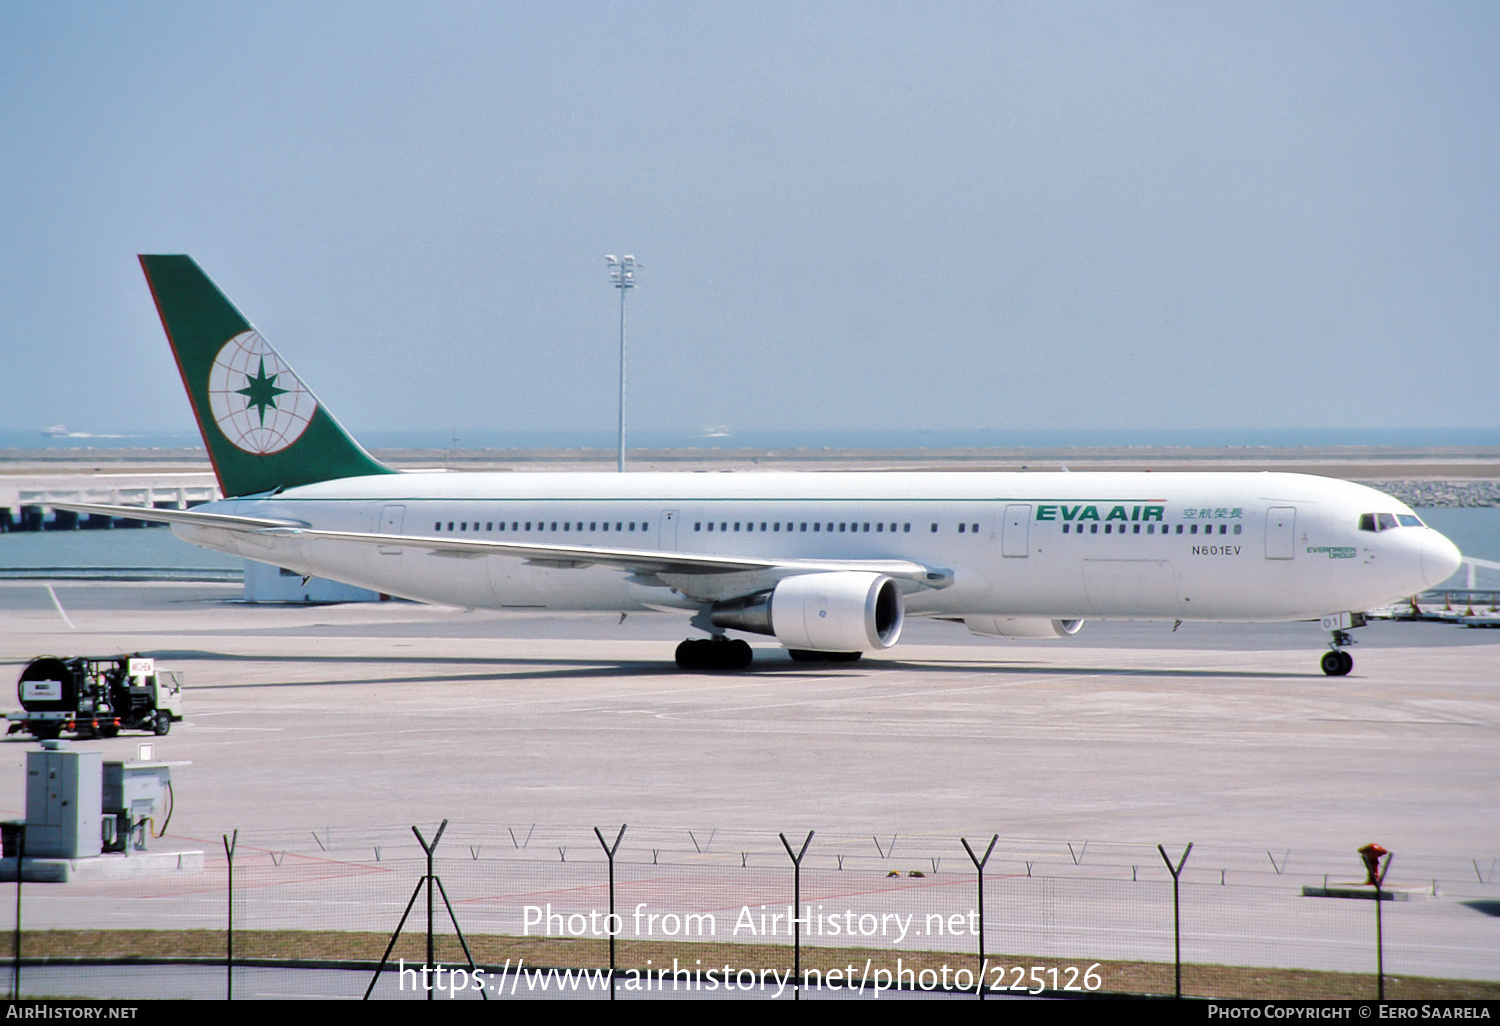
x=261, y=391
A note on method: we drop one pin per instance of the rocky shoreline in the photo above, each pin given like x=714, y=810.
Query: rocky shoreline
x=1443, y=494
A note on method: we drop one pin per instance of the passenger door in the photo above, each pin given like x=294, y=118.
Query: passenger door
x=1015, y=530
x=391, y=519
x=1281, y=532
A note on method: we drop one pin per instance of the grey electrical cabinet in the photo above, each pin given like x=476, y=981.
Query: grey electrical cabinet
x=64, y=789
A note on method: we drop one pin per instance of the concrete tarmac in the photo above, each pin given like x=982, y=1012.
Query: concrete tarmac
x=367, y=716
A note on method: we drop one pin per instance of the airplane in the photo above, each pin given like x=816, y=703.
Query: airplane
x=829, y=564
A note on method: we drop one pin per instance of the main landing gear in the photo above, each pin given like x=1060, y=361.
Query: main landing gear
x=716, y=653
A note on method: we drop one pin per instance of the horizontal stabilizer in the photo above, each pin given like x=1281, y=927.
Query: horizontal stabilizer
x=176, y=516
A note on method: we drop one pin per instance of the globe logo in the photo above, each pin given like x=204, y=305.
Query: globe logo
x=257, y=401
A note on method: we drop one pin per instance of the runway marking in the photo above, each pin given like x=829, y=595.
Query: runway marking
x=58, y=605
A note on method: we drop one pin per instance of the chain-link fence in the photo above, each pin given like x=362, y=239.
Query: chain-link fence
x=708, y=913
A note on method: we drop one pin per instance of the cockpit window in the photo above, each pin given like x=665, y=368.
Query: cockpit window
x=1386, y=521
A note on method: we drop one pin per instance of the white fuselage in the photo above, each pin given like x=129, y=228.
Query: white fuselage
x=1201, y=546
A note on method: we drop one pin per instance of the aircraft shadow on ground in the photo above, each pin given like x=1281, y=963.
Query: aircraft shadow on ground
x=589, y=669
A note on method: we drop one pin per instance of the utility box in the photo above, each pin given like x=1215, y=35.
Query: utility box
x=133, y=794
x=64, y=792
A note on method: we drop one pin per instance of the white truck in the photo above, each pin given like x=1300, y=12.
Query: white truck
x=96, y=697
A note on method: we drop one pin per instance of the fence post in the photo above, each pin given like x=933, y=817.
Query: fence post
x=20, y=864
x=427, y=880
x=1379, y=935
x=796, y=912
x=230, y=844
x=1176, y=872
x=979, y=869
x=609, y=853
x=428, y=849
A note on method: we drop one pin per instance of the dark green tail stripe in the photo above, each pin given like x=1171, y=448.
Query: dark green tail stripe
x=199, y=320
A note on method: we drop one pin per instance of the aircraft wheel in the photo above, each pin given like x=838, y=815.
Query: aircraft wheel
x=842, y=657
x=690, y=654
x=806, y=655
x=1336, y=663
x=737, y=655
x=720, y=654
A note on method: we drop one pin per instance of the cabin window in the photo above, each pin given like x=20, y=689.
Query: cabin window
x=1137, y=529
x=736, y=525
x=438, y=526
x=776, y=526
x=960, y=528
x=1237, y=527
x=906, y=529
x=1093, y=529
x=841, y=528
x=934, y=528
x=632, y=525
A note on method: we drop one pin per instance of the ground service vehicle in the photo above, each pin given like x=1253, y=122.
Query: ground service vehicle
x=96, y=697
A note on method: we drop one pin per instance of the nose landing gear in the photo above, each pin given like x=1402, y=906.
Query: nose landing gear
x=1337, y=662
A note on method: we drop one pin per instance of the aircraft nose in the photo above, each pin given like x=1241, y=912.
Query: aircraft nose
x=1440, y=558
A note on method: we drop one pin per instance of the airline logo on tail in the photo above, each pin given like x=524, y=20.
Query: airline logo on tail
x=263, y=427
x=257, y=400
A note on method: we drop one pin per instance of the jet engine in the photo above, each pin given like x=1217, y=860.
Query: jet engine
x=1020, y=627
x=843, y=611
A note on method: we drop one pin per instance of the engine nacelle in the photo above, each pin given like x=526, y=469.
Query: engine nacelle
x=1020, y=627
x=842, y=611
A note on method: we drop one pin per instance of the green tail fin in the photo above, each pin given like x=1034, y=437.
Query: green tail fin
x=263, y=427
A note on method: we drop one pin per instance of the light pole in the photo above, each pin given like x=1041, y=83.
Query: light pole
x=622, y=276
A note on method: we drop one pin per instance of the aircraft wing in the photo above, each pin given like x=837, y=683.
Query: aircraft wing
x=638, y=561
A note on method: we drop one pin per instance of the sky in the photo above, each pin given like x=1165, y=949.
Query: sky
x=1126, y=216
